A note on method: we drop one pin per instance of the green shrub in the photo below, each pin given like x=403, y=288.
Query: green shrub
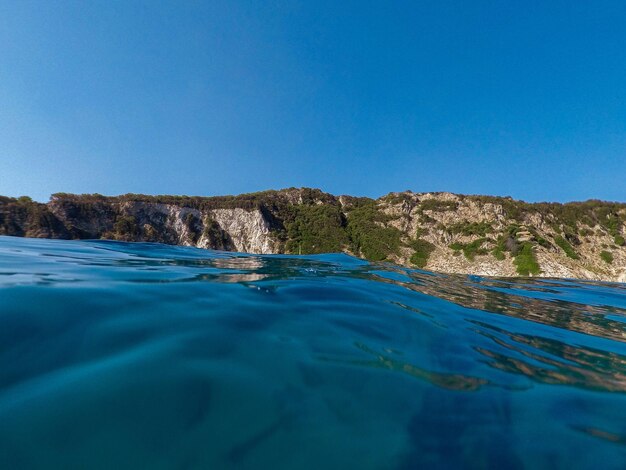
x=566, y=247
x=471, y=228
x=126, y=227
x=472, y=249
x=436, y=205
x=397, y=198
x=498, y=253
x=26, y=200
x=526, y=262
x=612, y=224
x=607, y=256
x=317, y=229
x=619, y=240
x=423, y=249
x=369, y=236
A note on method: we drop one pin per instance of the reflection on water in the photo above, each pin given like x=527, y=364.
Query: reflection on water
x=248, y=263
x=517, y=298
x=127, y=355
x=556, y=362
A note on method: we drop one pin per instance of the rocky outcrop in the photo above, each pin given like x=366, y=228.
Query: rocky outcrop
x=444, y=232
x=249, y=230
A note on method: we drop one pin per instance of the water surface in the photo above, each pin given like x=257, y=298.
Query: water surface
x=120, y=355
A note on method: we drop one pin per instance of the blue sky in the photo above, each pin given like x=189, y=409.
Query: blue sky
x=526, y=99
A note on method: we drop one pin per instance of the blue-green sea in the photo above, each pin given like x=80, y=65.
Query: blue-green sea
x=135, y=355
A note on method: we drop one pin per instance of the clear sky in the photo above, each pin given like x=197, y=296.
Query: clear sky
x=519, y=98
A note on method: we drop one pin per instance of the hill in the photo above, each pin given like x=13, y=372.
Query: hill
x=484, y=235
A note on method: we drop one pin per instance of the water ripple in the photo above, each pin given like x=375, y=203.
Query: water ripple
x=127, y=355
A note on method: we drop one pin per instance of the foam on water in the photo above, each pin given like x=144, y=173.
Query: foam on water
x=119, y=355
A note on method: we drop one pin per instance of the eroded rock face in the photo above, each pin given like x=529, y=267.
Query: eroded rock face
x=233, y=229
x=249, y=230
x=226, y=229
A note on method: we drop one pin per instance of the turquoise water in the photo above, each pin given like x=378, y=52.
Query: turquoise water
x=120, y=355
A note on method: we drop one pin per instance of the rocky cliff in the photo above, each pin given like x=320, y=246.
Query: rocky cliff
x=444, y=232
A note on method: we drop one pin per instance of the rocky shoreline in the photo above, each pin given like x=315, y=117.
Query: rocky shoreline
x=445, y=232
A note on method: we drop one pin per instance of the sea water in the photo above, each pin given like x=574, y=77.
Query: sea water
x=135, y=355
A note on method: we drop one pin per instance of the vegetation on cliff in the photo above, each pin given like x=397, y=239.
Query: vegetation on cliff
x=526, y=261
x=606, y=256
x=565, y=246
x=422, y=250
x=316, y=229
x=369, y=235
